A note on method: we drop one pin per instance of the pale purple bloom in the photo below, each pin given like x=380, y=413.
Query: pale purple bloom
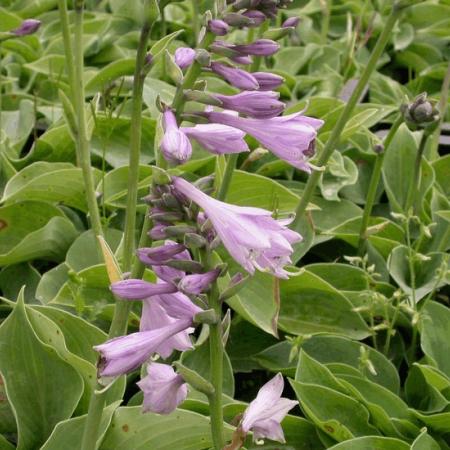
x=251, y=236
x=28, y=26
x=184, y=57
x=257, y=104
x=291, y=22
x=244, y=60
x=155, y=317
x=126, y=353
x=261, y=47
x=256, y=16
x=163, y=389
x=218, y=27
x=177, y=305
x=288, y=137
x=170, y=274
x=264, y=414
x=218, y=139
x=157, y=256
x=199, y=282
x=135, y=289
x=157, y=233
x=236, y=77
x=268, y=81
x=175, y=145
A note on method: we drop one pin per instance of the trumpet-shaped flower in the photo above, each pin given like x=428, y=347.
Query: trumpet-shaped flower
x=264, y=414
x=163, y=389
x=156, y=256
x=175, y=145
x=135, y=289
x=251, y=236
x=236, y=77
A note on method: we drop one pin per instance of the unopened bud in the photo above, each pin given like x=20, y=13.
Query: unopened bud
x=378, y=149
x=194, y=379
x=218, y=27
x=421, y=113
x=193, y=240
x=27, y=27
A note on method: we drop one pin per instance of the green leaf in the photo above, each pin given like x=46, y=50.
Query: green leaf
x=4, y=444
x=181, y=430
x=310, y=305
x=403, y=37
x=32, y=230
x=425, y=442
x=42, y=388
x=14, y=277
x=104, y=77
x=372, y=443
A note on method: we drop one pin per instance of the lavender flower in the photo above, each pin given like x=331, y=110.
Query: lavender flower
x=126, y=353
x=177, y=305
x=158, y=233
x=288, y=137
x=218, y=139
x=261, y=47
x=135, y=289
x=184, y=57
x=291, y=22
x=28, y=26
x=163, y=389
x=175, y=145
x=268, y=81
x=257, y=104
x=265, y=413
x=251, y=236
x=154, y=317
x=199, y=282
x=157, y=256
x=256, y=16
x=236, y=77
x=218, y=27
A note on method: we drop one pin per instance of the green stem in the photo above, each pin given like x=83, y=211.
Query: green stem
x=346, y=113
x=373, y=186
x=195, y=17
x=415, y=180
x=326, y=12
x=227, y=176
x=82, y=141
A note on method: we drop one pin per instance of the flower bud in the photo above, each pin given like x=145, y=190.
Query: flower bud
x=261, y=47
x=268, y=81
x=257, y=17
x=238, y=20
x=291, y=22
x=421, y=113
x=184, y=57
x=218, y=27
x=158, y=232
x=27, y=27
x=198, y=283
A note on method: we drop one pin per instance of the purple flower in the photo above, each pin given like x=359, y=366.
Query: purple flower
x=27, y=27
x=268, y=81
x=163, y=389
x=157, y=256
x=261, y=47
x=199, y=282
x=257, y=104
x=218, y=139
x=288, y=137
x=126, y=353
x=264, y=414
x=177, y=305
x=184, y=57
x=236, y=77
x=157, y=233
x=169, y=274
x=139, y=289
x=251, y=236
x=175, y=145
x=218, y=27
x=257, y=17
x=291, y=22
x=154, y=317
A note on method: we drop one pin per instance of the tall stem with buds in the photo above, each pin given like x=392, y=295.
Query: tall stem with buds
x=346, y=113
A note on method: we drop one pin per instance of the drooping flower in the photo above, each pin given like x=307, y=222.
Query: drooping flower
x=236, y=77
x=268, y=81
x=265, y=413
x=218, y=27
x=135, y=289
x=261, y=47
x=28, y=26
x=126, y=353
x=288, y=137
x=157, y=256
x=218, y=139
x=175, y=145
x=251, y=236
x=163, y=389
x=199, y=282
x=184, y=57
x=257, y=104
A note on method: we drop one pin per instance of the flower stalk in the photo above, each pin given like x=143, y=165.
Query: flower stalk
x=333, y=140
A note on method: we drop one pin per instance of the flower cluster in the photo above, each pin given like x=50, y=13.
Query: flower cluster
x=255, y=111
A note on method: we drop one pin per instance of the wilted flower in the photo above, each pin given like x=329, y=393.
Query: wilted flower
x=257, y=104
x=261, y=47
x=251, y=236
x=218, y=139
x=175, y=145
x=184, y=57
x=236, y=77
x=126, y=353
x=268, y=81
x=163, y=389
x=28, y=26
x=288, y=137
x=199, y=282
x=264, y=414
x=218, y=27
x=135, y=289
